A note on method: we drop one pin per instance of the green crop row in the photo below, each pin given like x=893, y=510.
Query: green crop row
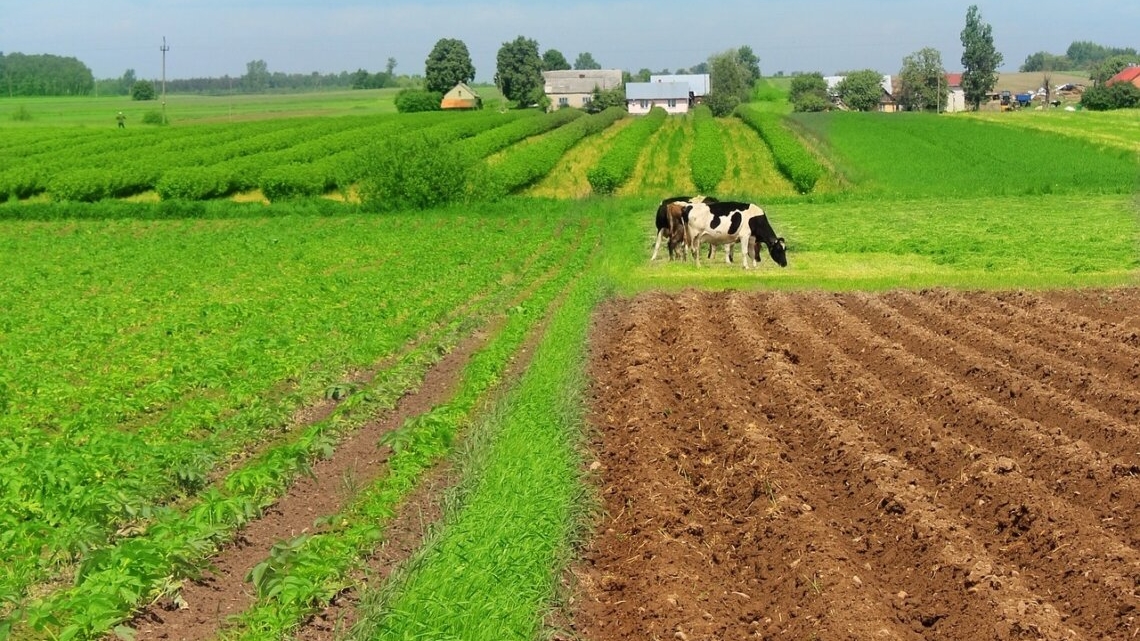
x=493, y=140
x=708, y=161
x=526, y=163
x=616, y=166
x=792, y=159
x=917, y=154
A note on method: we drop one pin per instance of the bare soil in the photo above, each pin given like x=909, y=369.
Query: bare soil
x=908, y=465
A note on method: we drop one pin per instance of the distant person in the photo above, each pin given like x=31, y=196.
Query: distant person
x=122, y=120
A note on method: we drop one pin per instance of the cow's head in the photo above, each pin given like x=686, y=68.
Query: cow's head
x=777, y=251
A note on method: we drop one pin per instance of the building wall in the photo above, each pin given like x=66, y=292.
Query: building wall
x=558, y=101
x=642, y=107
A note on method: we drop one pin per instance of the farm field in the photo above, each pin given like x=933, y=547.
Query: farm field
x=322, y=417
x=905, y=465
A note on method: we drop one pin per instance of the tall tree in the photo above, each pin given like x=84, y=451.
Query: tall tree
x=519, y=71
x=127, y=81
x=257, y=76
x=390, y=67
x=448, y=64
x=553, y=60
x=980, y=60
x=750, y=62
x=923, y=81
x=731, y=82
x=585, y=60
x=861, y=90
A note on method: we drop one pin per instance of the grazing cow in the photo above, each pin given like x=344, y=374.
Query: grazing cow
x=667, y=228
x=729, y=222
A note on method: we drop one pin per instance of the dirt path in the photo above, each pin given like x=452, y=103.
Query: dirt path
x=855, y=466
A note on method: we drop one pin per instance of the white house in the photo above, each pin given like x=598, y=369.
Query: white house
x=673, y=97
x=575, y=87
x=700, y=84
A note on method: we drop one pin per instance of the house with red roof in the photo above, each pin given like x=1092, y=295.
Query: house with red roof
x=1129, y=74
x=955, y=94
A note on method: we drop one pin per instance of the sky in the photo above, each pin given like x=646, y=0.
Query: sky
x=213, y=38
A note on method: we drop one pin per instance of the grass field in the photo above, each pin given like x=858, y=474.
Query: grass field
x=172, y=369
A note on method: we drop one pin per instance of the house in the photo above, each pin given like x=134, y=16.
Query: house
x=575, y=88
x=641, y=97
x=1129, y=74
x=700, y=84
x=955, y=94
x=461, y=97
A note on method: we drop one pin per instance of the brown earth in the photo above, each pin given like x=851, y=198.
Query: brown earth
x=942, y=464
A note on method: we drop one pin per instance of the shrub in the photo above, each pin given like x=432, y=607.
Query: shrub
x=292, y=181
x=722, y=104
x=792, y=158
x=194, y=183
x=21, y=182
x=153, y=117
x=707, y=162
x=1122, y=95
x=413, y=100
x=410, y=172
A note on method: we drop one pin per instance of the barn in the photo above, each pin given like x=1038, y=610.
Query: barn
x=461, y=97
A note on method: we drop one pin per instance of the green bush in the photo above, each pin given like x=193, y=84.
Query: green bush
x=1122, y=95
x=194, y=183
x=793, y=160
x=21, y=182
x=409, y=172
x=292, y=181
x=708, y=161
x=154, y=117
x=413, y=100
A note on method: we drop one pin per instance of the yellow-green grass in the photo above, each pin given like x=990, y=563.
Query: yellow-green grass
x=663, y=168
x=568, y=178
x=752, y=172
x=1118, y=129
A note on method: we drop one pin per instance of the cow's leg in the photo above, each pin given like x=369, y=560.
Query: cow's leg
x=744, y=251
x=657, y=247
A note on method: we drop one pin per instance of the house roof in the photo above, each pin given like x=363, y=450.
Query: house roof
x=580, y=80
x=1129, y=74
x=954, y=79
x=657, y=91
x=699, y=83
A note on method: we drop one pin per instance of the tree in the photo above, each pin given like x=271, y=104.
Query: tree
x=519, y=74
x=448, y=64
x=390, y=67
x=750, y=62
x=142, y=90
x=126, y=82
x=980, y=60
x=1045, y=61
x=256, y=78
x=923, y=81
x=1109, y=67
x=602, y=100
x=1121, y=95
x=642, y=75
x=553, y=60
x=731, y=82
x=585, y=60
x=861, y=90
x=808, y=92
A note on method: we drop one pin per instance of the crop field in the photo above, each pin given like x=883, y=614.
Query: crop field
x=322, y=415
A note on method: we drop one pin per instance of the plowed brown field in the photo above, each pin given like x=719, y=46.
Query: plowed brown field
x=908, y=465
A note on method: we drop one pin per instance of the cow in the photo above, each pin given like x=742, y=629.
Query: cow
x=667, y=228
x=729, y=222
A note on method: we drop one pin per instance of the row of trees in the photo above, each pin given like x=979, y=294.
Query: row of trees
x=44, y=75
x=923, y=77
x=1099, y=61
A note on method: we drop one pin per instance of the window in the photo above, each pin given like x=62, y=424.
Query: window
x=563, y=102
x=672, y=103
x=585, y=100
x=644, y=104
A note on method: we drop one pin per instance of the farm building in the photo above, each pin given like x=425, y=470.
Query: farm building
x=1129, y=74
x=887, y=102
x=956, y=95
x=575, y=88
x=700, y=84
x=461, y=97
x=641, y=97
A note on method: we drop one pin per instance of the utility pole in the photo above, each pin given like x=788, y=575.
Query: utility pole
x=164, y=49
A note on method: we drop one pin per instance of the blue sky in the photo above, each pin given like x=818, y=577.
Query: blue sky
x=215, y=37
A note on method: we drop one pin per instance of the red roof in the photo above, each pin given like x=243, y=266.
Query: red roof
x=1130, y=74
x=954, y=79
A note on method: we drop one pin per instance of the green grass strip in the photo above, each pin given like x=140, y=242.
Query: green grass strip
x=616, y=166
x=792, y=158
x=303, y=574
x=493, y=569
x=708, y=160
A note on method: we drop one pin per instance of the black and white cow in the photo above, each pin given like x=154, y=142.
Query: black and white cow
x=721, y=223
x=666, y=227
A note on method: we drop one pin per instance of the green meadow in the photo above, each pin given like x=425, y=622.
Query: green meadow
x=157, y=348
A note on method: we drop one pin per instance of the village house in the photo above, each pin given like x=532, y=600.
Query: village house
x=673, y=97
x=1128, y=74
x=461, y=97
x=887, y=102
x=700, y=84
x=575, y=87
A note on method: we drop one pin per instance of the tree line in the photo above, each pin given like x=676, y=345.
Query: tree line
x=44, y=75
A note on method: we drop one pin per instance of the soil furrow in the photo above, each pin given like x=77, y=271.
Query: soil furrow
x=1061, y=382
x=961, y=581
x=1075, y=344
x=999, y=503
x=1108, y=315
